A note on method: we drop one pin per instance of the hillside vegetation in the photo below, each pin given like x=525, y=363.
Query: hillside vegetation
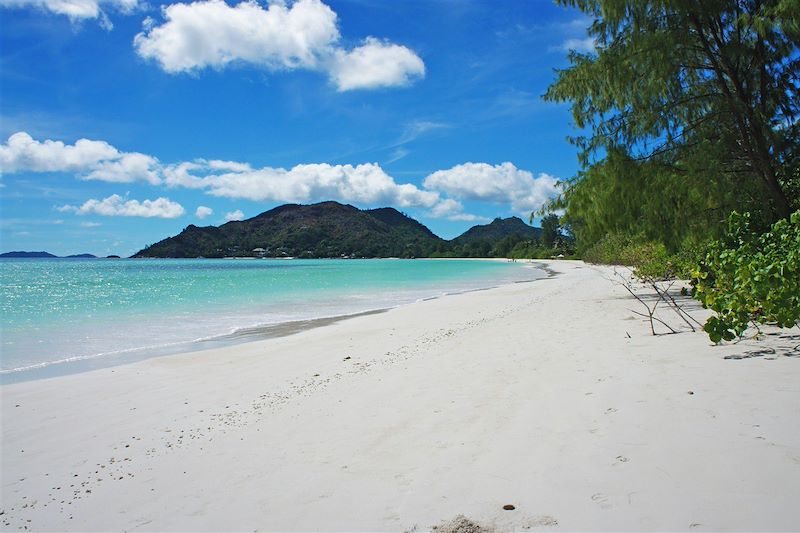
x=331, y=229
x=689, y=117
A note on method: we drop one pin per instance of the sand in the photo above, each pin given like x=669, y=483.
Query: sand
x=550, y=396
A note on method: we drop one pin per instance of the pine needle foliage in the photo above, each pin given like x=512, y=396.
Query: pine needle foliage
x=689, y=110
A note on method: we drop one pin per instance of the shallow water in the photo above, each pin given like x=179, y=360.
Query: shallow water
x=63, y=315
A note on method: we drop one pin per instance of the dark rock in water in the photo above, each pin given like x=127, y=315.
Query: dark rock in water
x=32, y=255
x=113, y=257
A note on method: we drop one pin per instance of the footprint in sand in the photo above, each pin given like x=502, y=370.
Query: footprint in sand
x=601, y=499
x=539, y=521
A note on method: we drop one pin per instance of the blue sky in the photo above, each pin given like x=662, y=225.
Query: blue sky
x=122, y=122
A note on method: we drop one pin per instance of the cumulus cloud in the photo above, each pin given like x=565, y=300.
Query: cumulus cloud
x=366, y=184
x=117, y=206
x=452, y=210
x=234, y=215
x=76, y=9
x=92, y=160
x=467, y=217
x=202, y=212
x=22, y=153
x=212, y=34
x=127, y=168
x=500, y=184
x=300, y=35
x=375, y=64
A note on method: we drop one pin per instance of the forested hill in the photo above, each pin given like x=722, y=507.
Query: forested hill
x=327, y=229
x=498, y=229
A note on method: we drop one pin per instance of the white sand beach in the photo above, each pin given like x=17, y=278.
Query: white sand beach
x=550, y=396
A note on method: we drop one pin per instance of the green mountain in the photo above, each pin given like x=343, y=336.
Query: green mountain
x=326, y=229
x=498, y=229
x=503, y=237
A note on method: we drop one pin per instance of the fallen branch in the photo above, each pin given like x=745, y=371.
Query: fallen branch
x=663, y=295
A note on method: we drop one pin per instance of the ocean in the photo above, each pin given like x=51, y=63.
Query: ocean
x=63, y=316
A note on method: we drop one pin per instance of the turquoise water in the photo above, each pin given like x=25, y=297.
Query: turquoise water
x=57, y=313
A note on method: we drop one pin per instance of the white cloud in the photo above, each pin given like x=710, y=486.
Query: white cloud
x=500, y=184
x=417, y=128
x=117, y=206
x=203, y=211
x=90, y=224
x=375, y=64
x=234, y=215
x=298, y=35
x=128, y=168
x=365, y=184
x=92, y=160
x=452, y=210
x=213, y=34
x=579, y=45
x=467, y=217
x=233, y=166
x=398, y=154
x=447, y=207
x=22, y=153
x=76, y=9
x=412, y=130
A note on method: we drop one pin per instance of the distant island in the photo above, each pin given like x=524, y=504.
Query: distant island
x=334, y=230
x=44, y=255
x=31, y=255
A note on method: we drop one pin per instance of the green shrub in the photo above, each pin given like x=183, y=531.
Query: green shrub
x=679, y=265
x=750, y=277
x=649, y=259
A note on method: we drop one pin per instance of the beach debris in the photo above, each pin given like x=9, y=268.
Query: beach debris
x=509, y=507
x=460, y=524
x=346, y=358
x=662, y=290
x=691, y=392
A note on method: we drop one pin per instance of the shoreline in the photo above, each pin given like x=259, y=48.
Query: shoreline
x=243, y=334
x=552, y=397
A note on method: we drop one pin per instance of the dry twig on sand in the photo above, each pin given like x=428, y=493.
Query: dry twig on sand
x=661, y=289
